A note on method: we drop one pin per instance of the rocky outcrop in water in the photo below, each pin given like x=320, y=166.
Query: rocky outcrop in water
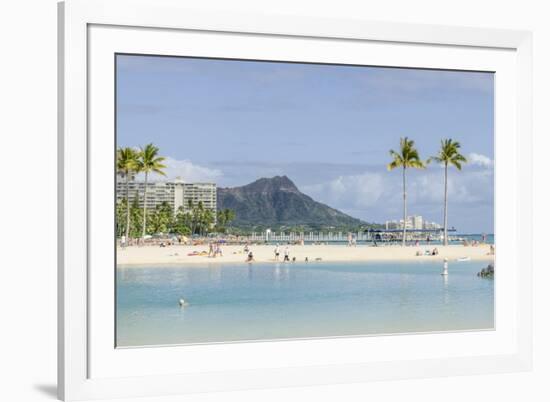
x=488, y=272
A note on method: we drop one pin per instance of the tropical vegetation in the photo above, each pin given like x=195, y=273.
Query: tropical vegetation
x=134, y=221
x=406, y=157
x=149, y=162
x=448, y=155
x=127, y=167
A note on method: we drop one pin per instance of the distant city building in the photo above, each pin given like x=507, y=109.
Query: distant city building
x=408, y=223
x=414, y=222
x=176, y=193
x=432, y=225
x=417, y=222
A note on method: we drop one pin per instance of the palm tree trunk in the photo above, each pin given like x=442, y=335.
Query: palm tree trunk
x=404, y=206
x=144, y=230
x=127, y=206
x=445, y=237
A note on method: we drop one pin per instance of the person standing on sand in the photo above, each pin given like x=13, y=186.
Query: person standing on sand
x=215, y=249
x=287, y=253
x=277, y=252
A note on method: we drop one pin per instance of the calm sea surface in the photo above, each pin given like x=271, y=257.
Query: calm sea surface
x=238, y=302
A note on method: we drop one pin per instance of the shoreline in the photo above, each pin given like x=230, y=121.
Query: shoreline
x=175, y=255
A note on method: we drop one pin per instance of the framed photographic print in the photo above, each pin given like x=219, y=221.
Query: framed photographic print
x=247, y=198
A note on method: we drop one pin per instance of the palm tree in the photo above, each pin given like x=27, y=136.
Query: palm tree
x=407, y=157
x=127, y=165
x=198, y=214
x=449, y=154
x=208, y=219
x=148, y=162
x=228, y=215
x=192, y=215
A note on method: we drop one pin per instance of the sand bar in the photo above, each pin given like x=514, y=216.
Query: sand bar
x=179, y=254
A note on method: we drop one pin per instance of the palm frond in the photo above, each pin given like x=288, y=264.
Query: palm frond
x=449, y=154
x=127, y=161
x=150, y=161
x=406, y=157
x=393, y=165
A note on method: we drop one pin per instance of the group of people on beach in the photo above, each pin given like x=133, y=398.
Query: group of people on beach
x=352, y=240
x=435, y=251
x=277, y=252
x=214, y=250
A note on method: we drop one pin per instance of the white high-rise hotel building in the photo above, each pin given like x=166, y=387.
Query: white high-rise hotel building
x=176, y=193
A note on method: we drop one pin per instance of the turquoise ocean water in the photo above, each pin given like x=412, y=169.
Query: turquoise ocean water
x=263, y=301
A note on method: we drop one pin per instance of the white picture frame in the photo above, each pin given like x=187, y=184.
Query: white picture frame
x=90, y=32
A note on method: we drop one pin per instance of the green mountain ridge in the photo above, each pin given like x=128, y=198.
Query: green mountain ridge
x=277, y=203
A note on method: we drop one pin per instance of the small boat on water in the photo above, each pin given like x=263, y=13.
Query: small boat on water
x=462, y=259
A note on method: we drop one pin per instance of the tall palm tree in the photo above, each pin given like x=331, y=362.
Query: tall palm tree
x=127, y=165
x=198, y=213
x=192, y=215
x=449, y=154
x=228, y=215
x=208, y=219
x=406, y=157
x=149, y=162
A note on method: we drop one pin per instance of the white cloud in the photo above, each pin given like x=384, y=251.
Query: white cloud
x=378, y=195
x=349, y=192
x=480, y=160
x=465, y=187
x=188, y=171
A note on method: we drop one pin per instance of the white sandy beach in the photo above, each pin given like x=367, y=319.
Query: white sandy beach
x=179, y=254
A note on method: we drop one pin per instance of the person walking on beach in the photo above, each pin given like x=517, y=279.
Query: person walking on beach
x=210, y=250
x=277, y=252
x=287, y=253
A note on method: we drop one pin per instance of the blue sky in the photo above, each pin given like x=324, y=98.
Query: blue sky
x=328, y=128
